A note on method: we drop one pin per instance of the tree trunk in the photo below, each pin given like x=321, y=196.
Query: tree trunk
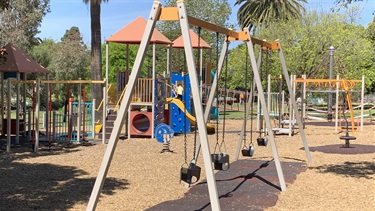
x=96, y=53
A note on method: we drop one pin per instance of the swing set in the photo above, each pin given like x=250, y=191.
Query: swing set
x=190, y=173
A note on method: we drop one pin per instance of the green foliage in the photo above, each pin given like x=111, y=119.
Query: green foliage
x=20, y=21
x=66, y=60
x=256, y=13
x=305, y=45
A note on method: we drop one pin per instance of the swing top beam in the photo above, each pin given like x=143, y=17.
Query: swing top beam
x=171, y=14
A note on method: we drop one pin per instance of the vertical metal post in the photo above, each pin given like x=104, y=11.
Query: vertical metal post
x=212, y=189
x=37, y=109
x=104, y=116
x=93, y=118
x=362, y=97
x=294, y=105
x=331, y=51
x=258, y=83
x=304, y=100
x=9, y=118
x=47, y=111
x=337, y=104
x=18, y=110
x=153, y=89
x=79, y=113
x=112, y=143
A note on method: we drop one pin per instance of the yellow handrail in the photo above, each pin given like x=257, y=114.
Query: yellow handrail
x=101, y=103
x=120, y=98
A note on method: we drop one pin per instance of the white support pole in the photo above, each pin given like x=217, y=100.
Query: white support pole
x=9, y=118
x=304, y=100
x=93, y=118
x=48, y=111
x=37, y=109
x=291, y=111
x=258, y=83
x=282, y=102
x=153, y=88
x=292, y=97
x=362, y=97
x=212, y=189
x=112, y=143
x=24, y=105
x=269, y=96
x=18, y=110
x=337, y=104
x=104, y=115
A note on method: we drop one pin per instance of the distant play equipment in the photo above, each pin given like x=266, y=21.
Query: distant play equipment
x=321, y=85
x=164, y=134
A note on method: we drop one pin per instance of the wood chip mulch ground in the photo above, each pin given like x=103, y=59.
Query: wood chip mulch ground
x=141, y=178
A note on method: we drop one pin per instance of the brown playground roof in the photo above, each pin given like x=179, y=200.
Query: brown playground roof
x=179, y=42
x=18, y=61
x=133, y=33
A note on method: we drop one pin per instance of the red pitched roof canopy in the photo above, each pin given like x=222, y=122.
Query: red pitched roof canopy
x=133, y=33
x=18, y=61
x=179, y=42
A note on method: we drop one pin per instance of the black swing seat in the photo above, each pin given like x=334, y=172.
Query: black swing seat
x=248, y=151
x=262, y=141
x=347, y=139
x=221, y=161
x=190, y=174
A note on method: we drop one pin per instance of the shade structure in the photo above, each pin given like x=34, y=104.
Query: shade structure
x=133, y=33
x=179, y=42
x=19, y=62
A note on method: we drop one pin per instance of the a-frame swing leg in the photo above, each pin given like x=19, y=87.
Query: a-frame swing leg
x=247, y=109
x=201, y=123
x=294, y=104
x=266, y=114
x=108, y=155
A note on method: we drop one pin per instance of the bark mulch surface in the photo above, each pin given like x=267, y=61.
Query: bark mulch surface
x=61, y=177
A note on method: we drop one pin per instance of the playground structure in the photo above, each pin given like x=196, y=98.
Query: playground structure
x=179, y=14
x=72, y=126
x=341, y=85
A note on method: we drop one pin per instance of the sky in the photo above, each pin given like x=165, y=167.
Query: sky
x=118, y=13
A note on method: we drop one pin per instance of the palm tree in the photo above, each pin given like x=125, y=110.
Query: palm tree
x=257, y=12
x=96, y=52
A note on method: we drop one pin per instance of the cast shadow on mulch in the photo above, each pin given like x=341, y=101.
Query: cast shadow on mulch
x=247, y=185
x=350, y=169
x=340, y=149
x=46, y=186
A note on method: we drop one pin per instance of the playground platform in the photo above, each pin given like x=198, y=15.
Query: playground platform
x=247, y=185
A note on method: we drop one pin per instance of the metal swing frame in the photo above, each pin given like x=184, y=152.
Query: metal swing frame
x=179, y=14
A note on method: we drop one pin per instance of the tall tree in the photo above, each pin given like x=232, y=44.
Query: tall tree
x=254, y=12
x=96, y=52
x=20, y=20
